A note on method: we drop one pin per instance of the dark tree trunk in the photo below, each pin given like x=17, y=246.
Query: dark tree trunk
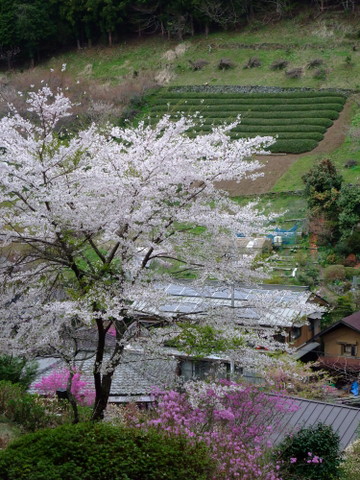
x=102, y=397
x=71, y=398
x=103, y=381
x=98, y=407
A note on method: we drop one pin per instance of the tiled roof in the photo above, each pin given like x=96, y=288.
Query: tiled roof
x=136, y=374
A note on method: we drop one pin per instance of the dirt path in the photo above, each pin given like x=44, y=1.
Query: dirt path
x=276, y=165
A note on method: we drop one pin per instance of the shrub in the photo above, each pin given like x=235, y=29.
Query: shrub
x=349, y=61
x=235, y=421
x=57, y=380
x=334, y=272
x=317, y=62
x=350, y=468
x=312, y=453
x=253, y=62
x=218, y=92
x=198, y=64
x=22, y=408
x=293, y=146
x=320, y=74
x=350, y=163
x=265, y=129
x=225, y=64
x=294, y=72
x=308, y=275
x=279, y=65
x=230, y=100
x=281, y=107
x=251, y=113
x=352, y=272
x=325, y=122
x=17, y=370
x=104, y=452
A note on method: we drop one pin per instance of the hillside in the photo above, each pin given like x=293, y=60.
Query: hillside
x=325, y=52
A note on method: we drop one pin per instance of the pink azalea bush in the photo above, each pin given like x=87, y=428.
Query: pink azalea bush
x=235, y=421
x=57, y=380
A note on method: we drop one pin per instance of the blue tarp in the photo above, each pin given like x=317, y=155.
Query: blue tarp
x=287, y=236
x=355, y=388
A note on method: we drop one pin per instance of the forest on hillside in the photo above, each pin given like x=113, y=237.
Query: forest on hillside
x=32, y=29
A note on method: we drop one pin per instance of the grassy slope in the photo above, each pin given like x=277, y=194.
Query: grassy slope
x=291, y=180
x=298, y=40
x=329, y=39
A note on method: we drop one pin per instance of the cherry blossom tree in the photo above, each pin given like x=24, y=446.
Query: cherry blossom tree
x=90, y=223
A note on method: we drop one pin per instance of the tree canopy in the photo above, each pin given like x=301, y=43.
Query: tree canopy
x=94, y=224
x=30, y=28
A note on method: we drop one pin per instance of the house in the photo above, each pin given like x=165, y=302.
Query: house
x=256, y=307
x=339, y=345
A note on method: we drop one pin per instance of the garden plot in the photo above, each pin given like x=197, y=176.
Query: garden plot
x=298, y=120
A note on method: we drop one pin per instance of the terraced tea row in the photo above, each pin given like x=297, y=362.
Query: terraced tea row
x=298, y=120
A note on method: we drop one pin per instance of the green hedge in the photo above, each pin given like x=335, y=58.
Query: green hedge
x=298, y=145
x=302, y=94
x=298, y=119
x=293, y=146
x=324, y=122
x=267, y=129
x=331, y=114
x=282, y=136
x=253, y=101
x=104, y=452
x=255, y=108
x=328, y=114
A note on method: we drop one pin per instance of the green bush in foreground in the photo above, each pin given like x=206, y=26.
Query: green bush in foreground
x=22, y=408
x=17, y=370
x=312, y=453
x=104, y=452
x=350, y=469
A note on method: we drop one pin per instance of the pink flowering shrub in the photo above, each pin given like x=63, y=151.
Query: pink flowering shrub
x=235, y=421
x=57, y=380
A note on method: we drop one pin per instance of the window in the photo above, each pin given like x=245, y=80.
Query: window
x=348, y=350
x=202, y=369
x=295, y=333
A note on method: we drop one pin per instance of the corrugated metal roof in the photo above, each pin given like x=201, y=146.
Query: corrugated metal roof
x=343, y=419
x=308, y=347
x=258, y=305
